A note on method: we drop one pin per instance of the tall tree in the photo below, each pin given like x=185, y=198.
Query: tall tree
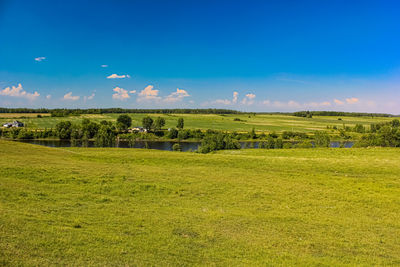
x=124, y=122
x=180, y=123
x=159, y=123
x=147, y=123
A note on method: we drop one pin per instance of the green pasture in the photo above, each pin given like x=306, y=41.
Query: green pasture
x=277, y=123
x=120, y=207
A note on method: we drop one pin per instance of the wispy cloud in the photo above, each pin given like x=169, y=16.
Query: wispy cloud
x=120, y=94
x=352, y=100
x=291, y=104
x=69, y=96
x=18, y=91
x=132, y=92
x=116, y=76
x=90, y=97
x=338, y=102
x=248, y=99
x=48, y=96
x=39, y=59
x=176, y=96
x=104, y=66
x=148, y=93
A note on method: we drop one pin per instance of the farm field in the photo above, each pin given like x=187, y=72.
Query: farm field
x=260, y=122
x=109, y=206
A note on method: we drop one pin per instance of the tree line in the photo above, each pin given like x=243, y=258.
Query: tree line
x=309, y=114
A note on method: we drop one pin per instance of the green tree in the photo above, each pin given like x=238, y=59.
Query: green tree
x=253, y=134
x=147, y=123
x=159, y=123
x=322, y=139
x=63, y=129
x=180, y=123
x=173, y=133
x=124, y=122
x=105, y=136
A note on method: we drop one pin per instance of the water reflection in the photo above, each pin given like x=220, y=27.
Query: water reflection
x=159, y=145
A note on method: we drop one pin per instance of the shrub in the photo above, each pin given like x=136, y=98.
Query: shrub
x=177, y=147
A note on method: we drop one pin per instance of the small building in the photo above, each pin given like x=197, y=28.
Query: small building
x=16, y=124
x=138, y=129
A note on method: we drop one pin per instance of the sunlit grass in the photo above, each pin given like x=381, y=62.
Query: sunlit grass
x=107, y=206
x=268, y=123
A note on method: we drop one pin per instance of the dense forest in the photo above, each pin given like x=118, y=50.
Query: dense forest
x=339, y=113
x=63, y=112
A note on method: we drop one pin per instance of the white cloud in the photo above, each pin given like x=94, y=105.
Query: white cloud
x=104, y=66
x=248, y=99
x=38, y=59
x=223, y=101
x=132, y=92
x=318, y=104
x=352, y=100
x=338, y=102
x=291, y=104
x=90, y=97
x=227, y=101
x=116, y=76
x=120, y=93
x=19, y=92
x=148, y=94
x=69, y=96
x=235, y=97
x=48, y=96
x=177, y=96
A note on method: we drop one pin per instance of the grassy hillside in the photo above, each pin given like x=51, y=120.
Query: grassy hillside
x=81, y=206
x=276, y=123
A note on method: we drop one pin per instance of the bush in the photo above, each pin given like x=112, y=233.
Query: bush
x=177, y=147
x=322, y=139
x=304, y=144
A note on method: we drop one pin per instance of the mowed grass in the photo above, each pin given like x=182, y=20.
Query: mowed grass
x=107, y=206
x=270, y=123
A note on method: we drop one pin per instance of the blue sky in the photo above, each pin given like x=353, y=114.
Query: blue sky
x=244, y=55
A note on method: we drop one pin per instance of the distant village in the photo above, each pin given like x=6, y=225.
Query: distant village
x=16, y=124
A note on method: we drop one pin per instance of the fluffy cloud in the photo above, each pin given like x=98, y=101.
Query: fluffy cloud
x=48, y=96
x=248, y=99
x=227, y=101
x=176, y=96
x=69, y=96
x=120, y=94
x=132, y=92
x=104, y=66
x=116, y=76
x=38, y=59
x=352, y=100
x=19, y=92
x=148, y=93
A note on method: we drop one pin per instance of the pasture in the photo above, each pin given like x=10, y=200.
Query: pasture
x=109, y=206
x=261, y=122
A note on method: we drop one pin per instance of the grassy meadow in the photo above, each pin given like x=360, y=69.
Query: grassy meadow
x=108, y=206
x=261, y=122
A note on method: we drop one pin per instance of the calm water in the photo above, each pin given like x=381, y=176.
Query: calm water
x=160, y=145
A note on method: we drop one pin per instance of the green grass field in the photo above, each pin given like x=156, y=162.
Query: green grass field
x=107, y=206
x=268, y=123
